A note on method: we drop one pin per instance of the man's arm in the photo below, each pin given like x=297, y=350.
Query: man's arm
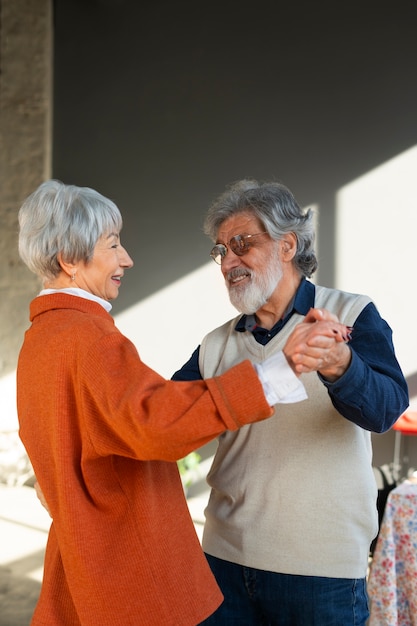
x=190, y=370
x=372, y=392
x=363, y=377
x=369, y=387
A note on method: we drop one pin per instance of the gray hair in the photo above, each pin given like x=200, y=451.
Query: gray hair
x=275, y=206
x=63, y=219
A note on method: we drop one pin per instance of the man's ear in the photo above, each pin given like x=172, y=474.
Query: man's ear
x=288, y=246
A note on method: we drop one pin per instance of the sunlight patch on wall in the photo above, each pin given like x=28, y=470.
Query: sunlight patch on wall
x=167, y=326
x=8, y=414
x=375, y=246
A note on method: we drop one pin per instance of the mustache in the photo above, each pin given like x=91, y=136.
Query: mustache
x=237, y=272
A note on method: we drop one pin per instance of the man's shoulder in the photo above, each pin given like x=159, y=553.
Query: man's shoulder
x=346, y=305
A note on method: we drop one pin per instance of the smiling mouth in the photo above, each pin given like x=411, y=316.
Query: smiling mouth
x=235, y=277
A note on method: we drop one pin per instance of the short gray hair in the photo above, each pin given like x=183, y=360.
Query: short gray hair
x=275, y=206
x=63, y=219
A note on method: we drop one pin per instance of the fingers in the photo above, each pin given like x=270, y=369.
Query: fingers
x=319, y=315
x=329, y=360
x=318, y=344
x=334, y=330
x=311, y=333
x=340, y=331
x=309, y=358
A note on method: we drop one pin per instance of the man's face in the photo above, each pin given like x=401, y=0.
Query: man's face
x=251, y=278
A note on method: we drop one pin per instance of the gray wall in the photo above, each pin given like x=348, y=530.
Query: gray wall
x=161, y=104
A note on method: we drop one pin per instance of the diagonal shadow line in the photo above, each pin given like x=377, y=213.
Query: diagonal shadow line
x=24, y=524
x=20, y=567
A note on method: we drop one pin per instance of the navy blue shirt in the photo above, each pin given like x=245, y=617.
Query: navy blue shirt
x=372, y=392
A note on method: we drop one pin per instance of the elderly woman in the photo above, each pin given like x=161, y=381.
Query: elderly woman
x=103, y=430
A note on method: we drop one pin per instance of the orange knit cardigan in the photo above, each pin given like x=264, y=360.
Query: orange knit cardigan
x=103, y=431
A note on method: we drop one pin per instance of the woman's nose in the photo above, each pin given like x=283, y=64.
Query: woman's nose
x=126, y=260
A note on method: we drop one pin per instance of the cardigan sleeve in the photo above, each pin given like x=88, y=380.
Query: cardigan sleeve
x=131, y=410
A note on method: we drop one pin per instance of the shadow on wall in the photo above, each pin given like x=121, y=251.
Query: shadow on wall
x=177, y=103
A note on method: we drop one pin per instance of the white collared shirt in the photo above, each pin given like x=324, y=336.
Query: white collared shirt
x=81, y=293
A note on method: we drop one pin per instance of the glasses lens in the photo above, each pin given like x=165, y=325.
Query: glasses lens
x=218, y=253
x=240, y=244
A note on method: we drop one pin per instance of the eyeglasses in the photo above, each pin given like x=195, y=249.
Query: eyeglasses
x=239, y=244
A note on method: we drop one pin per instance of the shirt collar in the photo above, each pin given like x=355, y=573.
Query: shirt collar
x=81, y=293
x=303, y=301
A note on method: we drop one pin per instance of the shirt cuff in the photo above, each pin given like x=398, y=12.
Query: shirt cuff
x=280, y=384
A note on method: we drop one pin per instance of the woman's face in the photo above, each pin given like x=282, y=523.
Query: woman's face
x=102, y=275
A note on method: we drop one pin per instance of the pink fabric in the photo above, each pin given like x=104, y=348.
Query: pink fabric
x=392, y=584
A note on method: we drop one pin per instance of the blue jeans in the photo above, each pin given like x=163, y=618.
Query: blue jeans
x=254, y=597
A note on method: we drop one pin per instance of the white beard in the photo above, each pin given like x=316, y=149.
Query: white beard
x=249, y=298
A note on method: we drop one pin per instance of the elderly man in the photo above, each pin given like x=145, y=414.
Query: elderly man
x=292, y=509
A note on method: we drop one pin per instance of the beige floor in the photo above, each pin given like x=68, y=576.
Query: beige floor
x=23, y=531
x=24, y=528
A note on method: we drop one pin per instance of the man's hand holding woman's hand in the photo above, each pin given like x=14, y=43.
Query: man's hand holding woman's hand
x=319, y=343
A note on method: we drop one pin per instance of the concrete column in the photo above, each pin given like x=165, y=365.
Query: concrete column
x=25, y=152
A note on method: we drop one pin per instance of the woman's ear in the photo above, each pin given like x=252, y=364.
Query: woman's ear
x=70, y=269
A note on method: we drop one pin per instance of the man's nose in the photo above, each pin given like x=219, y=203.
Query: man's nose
x=229, y=260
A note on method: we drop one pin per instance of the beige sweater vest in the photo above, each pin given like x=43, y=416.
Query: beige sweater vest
x=296, y=493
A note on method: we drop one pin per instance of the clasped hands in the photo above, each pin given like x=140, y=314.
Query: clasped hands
x=319, y=343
